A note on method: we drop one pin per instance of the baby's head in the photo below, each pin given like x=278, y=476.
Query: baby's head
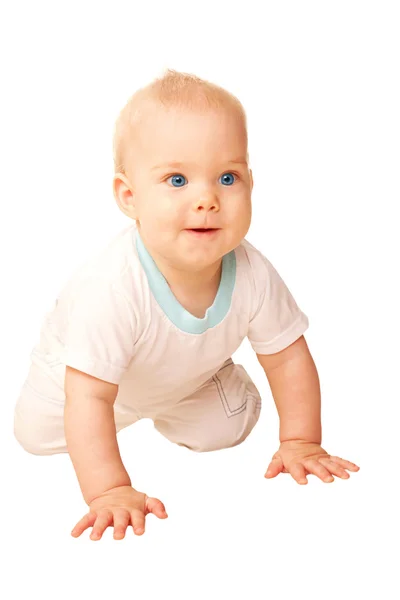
x=181, y=163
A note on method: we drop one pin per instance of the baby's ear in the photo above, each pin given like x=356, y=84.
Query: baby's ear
x=124, y=195
x=251, y=178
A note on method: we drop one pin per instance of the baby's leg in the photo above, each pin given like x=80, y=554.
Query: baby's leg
x=221, y=414
x=39, y=415
x=39, y=423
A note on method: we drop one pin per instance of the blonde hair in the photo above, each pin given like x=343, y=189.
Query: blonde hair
x=172, y=90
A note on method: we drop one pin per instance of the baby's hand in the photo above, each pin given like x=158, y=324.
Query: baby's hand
x=300, y=457
x=121, y=506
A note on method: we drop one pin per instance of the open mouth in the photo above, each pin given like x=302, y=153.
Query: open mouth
x=204, y=230
x=203, y=233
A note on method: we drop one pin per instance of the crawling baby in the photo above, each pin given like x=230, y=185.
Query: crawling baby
x=147, y=328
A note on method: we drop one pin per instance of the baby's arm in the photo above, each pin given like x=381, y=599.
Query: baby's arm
x=92, y=445
x=91, y=435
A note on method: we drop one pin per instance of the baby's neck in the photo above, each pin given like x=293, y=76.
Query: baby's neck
x=197, y=293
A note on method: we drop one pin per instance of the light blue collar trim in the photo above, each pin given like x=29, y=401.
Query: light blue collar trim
x=175, y=312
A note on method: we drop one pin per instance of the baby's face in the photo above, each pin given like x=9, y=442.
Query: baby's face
x=190, y=171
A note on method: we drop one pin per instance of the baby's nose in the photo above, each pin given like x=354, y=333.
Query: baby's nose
x=207, y=201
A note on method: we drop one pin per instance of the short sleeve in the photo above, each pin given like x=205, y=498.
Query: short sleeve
x=277, y=321
x=100, y=332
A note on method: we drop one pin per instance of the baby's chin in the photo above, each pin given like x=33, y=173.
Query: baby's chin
x=219, y=242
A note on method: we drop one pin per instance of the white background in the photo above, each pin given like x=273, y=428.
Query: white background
x=320, y=83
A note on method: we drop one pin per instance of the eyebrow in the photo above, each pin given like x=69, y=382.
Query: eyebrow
x=178, y=165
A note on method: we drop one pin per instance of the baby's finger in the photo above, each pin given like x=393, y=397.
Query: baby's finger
x=122, y=519
x=275, y=467
x=104, y=519
x=298, y=473
x=346, y=464
x=315, y=467
x=156, y=507
x=334, y=468
x=86, y=521
x=137, y=518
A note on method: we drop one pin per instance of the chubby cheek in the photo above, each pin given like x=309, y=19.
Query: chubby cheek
x=240, y=219
x=163, y=217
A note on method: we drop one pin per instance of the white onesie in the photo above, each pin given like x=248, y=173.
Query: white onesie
x=118, y=320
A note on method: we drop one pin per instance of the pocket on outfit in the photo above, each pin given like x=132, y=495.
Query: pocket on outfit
x=236, y=388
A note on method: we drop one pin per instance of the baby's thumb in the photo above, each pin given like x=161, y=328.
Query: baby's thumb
x=156, y=507
x=275, y=467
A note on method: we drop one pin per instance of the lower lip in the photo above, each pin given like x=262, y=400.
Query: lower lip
x=203, y=234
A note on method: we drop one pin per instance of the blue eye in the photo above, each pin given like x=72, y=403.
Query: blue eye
x=226, y=178
x=178, y=179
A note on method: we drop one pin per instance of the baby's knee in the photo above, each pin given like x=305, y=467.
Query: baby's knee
x=27, y=446
x=24, y=439
x=38, y=447
x=216, y=431
x=36, y=435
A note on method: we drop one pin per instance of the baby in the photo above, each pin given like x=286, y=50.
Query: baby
x=147, y=328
